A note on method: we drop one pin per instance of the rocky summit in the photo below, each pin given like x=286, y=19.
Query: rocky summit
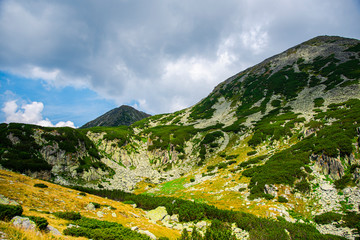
x=271, y=153
x=123, y=115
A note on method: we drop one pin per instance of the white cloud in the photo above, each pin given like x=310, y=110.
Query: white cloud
x=30, y=113
x=166, y=54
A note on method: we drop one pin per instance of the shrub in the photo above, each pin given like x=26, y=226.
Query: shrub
x=102, y=230
x=343, y=182
x=41, y=223
x=192, y=179
x=318, y=102
x=251, y=153
x=268, y=196
x=40, y=185
x=82, y=194
x=303, y=186
x=282, y=199
x=7, y=212
x=96, y=205
x=328, y=217
x=68, y=215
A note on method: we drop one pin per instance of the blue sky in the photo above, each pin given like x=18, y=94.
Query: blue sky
x=61, y=61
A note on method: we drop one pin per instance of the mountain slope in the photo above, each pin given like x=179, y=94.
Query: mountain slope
x=280, y=139
x=123, y=115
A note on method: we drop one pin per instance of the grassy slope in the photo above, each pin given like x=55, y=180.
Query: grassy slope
x=56, y=198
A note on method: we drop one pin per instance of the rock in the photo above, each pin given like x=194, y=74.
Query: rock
x=72, y=225
x=271, y=189
x=90, y=207
x=146, y=232
x=113, y=215
x=326, y=187
x=329, y=166
x=7, y=201
x=157, y=214
x=166, y=218
x=24, y=223
x=174, y=218
x=201, y=225
x=53, y=230
x=134, y=228
x=100, y=214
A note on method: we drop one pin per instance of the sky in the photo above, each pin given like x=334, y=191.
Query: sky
x=64, y=63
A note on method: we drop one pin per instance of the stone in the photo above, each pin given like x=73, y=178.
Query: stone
x=24, y=223
x=201, y=224
x=326, y=187
x=174, y=218
x=113, y=215
x=53, y=230
x=146, y=232
x=7, y=201
x=100, y=214
x=134, y=228
x=271, y=189
x=166, y=218
x=90, y=207
x=157, y=214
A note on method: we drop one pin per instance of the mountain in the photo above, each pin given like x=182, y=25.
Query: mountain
x=123, y=115
x=272, y=151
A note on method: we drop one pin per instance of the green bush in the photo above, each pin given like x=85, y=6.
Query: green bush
x=96, y=205
x=343, y=182
x=40, y=185
x=282, y=199
x=102, y=230
x=328, y=217
x=68, y=215
x=7, y=212
x=303, y=186
x=318, y=102
x=192, y=179
x=251, y=153
x=41, y=223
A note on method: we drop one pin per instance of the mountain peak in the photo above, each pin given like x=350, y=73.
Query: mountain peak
x=123, y=115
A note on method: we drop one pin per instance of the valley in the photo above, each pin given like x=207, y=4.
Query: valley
x=271, y=153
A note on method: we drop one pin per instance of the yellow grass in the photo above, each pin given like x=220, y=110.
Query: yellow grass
x=42, y=201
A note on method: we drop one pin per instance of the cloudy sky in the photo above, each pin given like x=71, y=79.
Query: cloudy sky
x=67, y=62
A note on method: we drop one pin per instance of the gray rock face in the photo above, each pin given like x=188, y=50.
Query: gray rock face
x=53, y=230
x=24, y=223
x=329, y=166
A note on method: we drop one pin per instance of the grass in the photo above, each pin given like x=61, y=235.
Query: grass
x=56, y=198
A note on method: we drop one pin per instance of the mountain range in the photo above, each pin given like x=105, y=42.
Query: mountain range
x=271, y=153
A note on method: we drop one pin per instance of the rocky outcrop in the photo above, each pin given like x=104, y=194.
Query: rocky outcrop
x=157, y=214
x=270, y=189
x=24, y=223
x=328, y=166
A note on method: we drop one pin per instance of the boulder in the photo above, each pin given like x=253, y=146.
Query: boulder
x=90, y=207
x=174, y=218
x=271, y=189
x=157, y=214
x=24, y=223
x=7, y=201
x=100, y=214
x=53, y=230
x=146, y=232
